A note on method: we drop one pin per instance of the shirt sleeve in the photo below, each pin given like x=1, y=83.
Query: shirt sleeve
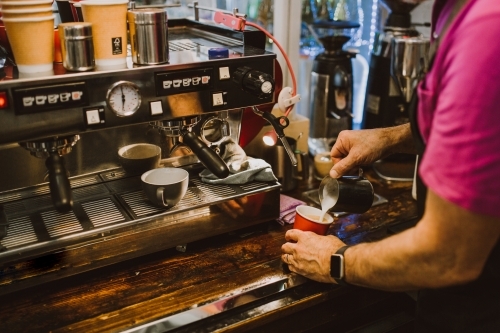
x=461, y=162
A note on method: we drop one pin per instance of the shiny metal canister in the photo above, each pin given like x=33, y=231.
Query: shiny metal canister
x=77, y=46
x=148, y=35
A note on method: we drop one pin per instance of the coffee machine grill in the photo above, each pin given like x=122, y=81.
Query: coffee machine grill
x=192, y=98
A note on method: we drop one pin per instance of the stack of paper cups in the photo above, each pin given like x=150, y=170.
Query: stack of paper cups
x=30, y=29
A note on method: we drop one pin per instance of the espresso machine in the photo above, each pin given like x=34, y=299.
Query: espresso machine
x=386, y=104
x=66, y=204
x=331, y=93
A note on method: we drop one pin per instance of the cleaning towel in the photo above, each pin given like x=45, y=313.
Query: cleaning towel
x=287, y=209
x=242, y=168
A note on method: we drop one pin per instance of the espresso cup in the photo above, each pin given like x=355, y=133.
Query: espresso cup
x=138, y=158
x=322, y=165
x=165, y=187
x=307, y=219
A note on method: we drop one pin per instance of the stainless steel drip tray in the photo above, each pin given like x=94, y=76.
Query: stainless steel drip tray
x=105, y=204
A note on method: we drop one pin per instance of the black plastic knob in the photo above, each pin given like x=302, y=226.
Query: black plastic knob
x=255, y=82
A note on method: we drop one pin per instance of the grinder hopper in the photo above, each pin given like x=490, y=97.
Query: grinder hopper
x=409, y=53
x=409, y=62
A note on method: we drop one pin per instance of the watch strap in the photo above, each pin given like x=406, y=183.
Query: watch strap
x=342, y=281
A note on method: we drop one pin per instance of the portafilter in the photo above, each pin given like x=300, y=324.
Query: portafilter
x=53, y=150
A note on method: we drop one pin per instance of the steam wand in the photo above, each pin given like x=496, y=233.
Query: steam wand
x=277, y=124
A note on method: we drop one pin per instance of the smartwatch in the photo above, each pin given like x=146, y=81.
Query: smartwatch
x=337, y=265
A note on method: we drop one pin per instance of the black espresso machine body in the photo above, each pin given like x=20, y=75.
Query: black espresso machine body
x=71, y=116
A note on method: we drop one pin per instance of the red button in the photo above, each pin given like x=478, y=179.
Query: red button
x=4, y=102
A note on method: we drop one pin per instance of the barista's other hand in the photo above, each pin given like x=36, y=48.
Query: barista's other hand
x=308, y=254
x=354, y=148
x=234, y=208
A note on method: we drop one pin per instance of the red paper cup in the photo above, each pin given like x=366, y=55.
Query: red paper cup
x=307, y=219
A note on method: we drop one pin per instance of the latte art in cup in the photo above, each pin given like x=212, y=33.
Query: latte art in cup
x=314, y=218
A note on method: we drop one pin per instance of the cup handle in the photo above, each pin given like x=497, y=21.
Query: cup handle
x=160, y=197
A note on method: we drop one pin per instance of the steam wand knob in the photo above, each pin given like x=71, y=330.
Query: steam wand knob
x=279, y=124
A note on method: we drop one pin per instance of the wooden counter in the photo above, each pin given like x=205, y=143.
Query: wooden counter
x=135, y=292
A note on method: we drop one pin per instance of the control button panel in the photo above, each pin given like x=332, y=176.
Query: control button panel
x=224, y=73
x=40, y=99
x=155, y=108
x=219, y=99
x=94, y=115
x=171, y=83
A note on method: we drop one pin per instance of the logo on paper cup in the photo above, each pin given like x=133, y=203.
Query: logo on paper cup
x=117, y=45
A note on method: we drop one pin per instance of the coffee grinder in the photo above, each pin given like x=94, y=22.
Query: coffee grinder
x=385, y=103
x=331, y=92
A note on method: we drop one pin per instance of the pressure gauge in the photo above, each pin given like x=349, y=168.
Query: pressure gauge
x=123, y=98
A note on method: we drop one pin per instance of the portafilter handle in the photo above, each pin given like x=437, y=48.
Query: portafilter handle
x=60, y=187
x=206, y=155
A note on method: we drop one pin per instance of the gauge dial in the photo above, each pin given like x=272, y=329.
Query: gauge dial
x=123, y=98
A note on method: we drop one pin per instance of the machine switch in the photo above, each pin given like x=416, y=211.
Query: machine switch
x=218, y=100
x=224, y=73
x=93, y=117
x=156, y=108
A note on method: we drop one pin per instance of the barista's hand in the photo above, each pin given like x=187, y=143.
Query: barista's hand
x=363, y=147
x=234, y=208
x=308, y=254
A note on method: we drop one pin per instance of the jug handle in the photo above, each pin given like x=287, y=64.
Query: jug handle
x=354, y=177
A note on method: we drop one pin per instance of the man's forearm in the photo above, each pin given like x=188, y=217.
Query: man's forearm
x=438, y=252
x=400, y=139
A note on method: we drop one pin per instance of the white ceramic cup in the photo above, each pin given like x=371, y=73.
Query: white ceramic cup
x=165, y=187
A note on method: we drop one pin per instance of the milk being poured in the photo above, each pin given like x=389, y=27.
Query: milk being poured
x=326, y=204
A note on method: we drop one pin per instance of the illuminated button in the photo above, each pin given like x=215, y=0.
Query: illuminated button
x=156, y=108
x=40, y=99
x=93, y=117
x=224, y=73
x=28, y=101
x=196, y=80
x=76, y=95
x=177, y=83
x=167, y=84
x=3, y=100
x=52, y=98
x=65, y=97
x=217, y=99
x=205, y=79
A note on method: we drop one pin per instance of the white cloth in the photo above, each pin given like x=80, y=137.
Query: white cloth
x=242, y=168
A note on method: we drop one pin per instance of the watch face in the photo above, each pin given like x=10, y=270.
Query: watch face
x=337, y=266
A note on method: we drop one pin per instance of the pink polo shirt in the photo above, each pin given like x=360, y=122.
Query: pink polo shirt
x=459, y=111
